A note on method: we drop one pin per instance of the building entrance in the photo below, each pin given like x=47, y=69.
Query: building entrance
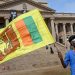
x=2, y=22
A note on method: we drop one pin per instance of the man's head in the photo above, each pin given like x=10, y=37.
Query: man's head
x=72, y=40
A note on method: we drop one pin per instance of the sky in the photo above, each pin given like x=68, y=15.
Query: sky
x=67, y=6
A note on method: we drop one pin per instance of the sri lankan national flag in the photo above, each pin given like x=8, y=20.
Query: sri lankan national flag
x=24, y=34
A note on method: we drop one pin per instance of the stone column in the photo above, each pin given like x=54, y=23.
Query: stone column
x=6, y=20
x=71, y=28
x=56, y=28
x=64, y=35
x=53, y=28
x=24, y=8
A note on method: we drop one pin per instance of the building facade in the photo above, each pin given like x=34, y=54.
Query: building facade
x=61, y=25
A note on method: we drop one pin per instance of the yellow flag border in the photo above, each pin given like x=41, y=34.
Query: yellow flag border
x=48, y=39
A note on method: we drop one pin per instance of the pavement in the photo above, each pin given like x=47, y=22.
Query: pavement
x=39, y=62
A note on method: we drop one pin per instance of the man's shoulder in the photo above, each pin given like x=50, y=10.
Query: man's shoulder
x=69, y=51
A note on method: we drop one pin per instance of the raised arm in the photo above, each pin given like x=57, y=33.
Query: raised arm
x=60, y=57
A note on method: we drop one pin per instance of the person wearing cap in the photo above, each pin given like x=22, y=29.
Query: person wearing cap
x=69, y=56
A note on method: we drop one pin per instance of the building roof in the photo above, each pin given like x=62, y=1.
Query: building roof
x=11, y=3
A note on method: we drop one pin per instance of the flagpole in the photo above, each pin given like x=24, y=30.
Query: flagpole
x=57, y=49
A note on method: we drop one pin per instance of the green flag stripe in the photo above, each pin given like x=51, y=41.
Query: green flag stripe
x=32, y=28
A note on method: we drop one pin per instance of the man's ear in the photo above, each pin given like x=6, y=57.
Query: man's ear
x=71, y=43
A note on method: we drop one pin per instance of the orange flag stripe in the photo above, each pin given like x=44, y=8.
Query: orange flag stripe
x=24, y=33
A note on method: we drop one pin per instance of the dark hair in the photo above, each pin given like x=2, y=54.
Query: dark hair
x=71, y=38
x=72, y=41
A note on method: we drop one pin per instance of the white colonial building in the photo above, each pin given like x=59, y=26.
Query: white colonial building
x=61, y=25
